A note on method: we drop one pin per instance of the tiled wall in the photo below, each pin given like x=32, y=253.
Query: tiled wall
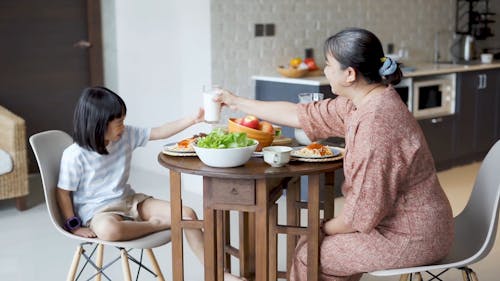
x=300, y=24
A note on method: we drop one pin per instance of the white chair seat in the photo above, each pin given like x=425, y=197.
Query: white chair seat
x=475, y=226
x=6, y=164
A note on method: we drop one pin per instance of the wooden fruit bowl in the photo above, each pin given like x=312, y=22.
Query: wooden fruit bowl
x=292, y=72
x=264, y=138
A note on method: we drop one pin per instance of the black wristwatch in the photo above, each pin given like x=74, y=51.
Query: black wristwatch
x=72, y=223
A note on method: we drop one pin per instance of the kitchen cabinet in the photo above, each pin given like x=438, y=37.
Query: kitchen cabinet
x=439, y=135
x=477, y=114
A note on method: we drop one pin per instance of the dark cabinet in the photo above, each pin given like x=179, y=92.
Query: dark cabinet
x=281, y=91
x=477, y=114
x=439, y=135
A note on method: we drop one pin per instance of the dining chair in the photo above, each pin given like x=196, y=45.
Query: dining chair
x=48, y=147
x=475, y=227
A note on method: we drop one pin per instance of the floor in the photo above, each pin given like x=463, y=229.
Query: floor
x=31, y=249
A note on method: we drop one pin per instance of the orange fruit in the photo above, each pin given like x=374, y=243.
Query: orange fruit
x=295, y=62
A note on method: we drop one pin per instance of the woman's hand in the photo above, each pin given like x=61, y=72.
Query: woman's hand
x=337, y=226
x=226, y=98
x=84, y=232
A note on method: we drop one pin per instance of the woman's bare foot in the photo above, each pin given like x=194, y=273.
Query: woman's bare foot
x=229, y=277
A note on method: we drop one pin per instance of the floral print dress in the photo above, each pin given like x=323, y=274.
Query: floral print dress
x=392, y=195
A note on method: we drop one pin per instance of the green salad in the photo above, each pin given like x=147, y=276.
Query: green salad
x=220, y=139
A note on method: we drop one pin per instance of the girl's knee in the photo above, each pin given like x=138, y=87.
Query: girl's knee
x=188, y=213
x=108, y=231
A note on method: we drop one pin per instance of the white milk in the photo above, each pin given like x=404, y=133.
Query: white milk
x=212, y=108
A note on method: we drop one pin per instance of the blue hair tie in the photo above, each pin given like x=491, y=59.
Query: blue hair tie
x=388, y=67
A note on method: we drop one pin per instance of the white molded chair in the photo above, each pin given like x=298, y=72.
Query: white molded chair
x=475, y=226
x=48, y=148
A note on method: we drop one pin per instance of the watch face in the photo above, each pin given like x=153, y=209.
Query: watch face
x=74, y=223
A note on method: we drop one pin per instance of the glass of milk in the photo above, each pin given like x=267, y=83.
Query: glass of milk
x=212, y=108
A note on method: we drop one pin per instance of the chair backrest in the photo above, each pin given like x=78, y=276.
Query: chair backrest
x=476, y=225
x=48, y=147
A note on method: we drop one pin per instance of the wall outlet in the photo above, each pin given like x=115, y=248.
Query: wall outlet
x=259, y=30
x=269, y=29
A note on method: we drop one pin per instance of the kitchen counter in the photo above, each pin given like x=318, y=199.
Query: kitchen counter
x=420, y=69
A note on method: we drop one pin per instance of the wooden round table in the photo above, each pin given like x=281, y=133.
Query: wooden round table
x=245, y=189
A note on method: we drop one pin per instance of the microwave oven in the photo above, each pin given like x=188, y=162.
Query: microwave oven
x=434, y=96
x=404, y=90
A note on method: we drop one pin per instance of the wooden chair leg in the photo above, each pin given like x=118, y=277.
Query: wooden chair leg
x=74, y=263
x=465, y=275
x=419, y=276
x=21, y=203
x=273, y=242
x=474, y=276
x=404, y=277
x=125, y=266
x=154, y=262
x=99, y=259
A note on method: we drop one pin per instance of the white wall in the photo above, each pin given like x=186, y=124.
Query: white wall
x=157, y=57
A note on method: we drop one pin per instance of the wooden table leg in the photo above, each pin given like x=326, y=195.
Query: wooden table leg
x=227, y=239
x=329, y=196
x=313, y=228
x=247, y=244
x=292, y=218
x=209, y=233
x=273, y=242
x=261, y=231
x=176, y=228
x=219, y=229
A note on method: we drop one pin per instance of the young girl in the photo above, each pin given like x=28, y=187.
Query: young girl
x=93, y=194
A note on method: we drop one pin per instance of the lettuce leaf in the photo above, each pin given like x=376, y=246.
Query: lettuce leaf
x=220, y=139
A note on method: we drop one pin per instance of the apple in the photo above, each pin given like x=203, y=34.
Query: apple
x=250, y=121
x=266, y=127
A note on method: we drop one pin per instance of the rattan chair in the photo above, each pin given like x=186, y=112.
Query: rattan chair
x=13, y=140
x=48, y=148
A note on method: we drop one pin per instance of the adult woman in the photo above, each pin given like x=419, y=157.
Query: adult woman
x=395, y=212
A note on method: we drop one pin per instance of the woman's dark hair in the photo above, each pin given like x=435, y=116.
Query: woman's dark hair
x=360, y=49
x=96, y=107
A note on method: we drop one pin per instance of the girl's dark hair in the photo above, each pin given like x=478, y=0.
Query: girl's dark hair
x=360, y=49
x=96, y=107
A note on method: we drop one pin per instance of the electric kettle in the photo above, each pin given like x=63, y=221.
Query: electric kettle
x=469, y=48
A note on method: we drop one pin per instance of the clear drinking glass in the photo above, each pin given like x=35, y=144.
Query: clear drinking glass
x=212, y=108
x=299, y=134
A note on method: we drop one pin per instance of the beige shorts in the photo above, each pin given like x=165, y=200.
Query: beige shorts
x=126, y=208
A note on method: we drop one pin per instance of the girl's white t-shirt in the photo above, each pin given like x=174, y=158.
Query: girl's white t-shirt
x=97, y=180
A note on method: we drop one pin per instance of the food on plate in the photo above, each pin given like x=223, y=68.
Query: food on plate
x=221, y=139
x=186, y=145
x=314, y=150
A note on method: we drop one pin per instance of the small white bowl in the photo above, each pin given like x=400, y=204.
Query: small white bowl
x=225, y=157
x=486, y=58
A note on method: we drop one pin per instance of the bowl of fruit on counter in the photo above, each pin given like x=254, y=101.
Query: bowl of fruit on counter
x=262, y=131
x=298, y=67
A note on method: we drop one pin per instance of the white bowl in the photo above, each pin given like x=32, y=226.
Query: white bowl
x=225, y=157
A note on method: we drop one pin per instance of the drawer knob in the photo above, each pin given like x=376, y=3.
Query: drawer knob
x=234, y=191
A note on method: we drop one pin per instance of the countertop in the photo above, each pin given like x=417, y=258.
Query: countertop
x=420, y=69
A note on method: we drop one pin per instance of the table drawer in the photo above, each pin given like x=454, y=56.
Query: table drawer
x=231, y=191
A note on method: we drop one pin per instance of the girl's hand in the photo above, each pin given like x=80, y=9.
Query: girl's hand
x=200, y=116
x=84, y=232
x=226, y=98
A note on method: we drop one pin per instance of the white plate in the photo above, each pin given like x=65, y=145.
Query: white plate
x=334, y=150
x=172, y=147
